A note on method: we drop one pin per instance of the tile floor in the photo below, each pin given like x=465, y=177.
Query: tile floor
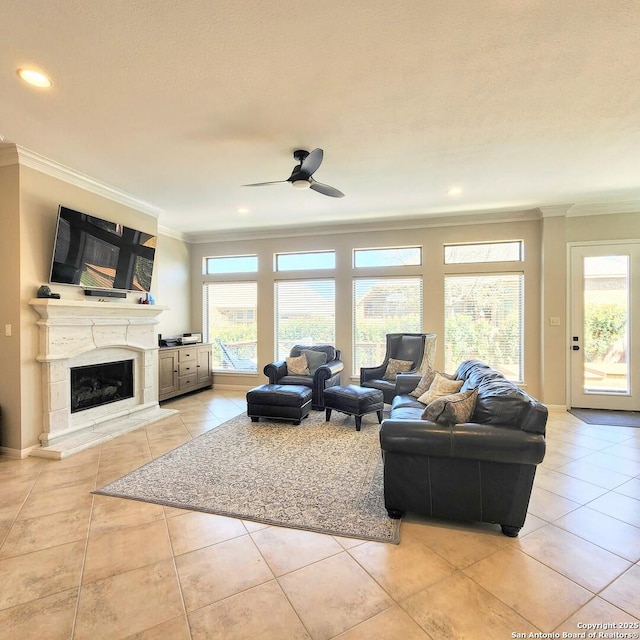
x=75, y=565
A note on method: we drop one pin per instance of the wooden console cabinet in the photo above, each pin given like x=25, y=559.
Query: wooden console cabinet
x=183, y=369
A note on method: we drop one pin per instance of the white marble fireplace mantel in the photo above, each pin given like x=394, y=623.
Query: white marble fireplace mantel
x=75, y=333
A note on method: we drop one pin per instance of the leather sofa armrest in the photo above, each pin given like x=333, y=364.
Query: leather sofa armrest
x=372, y=373
x=406, y=383
x=328, y=370
x=275, y=370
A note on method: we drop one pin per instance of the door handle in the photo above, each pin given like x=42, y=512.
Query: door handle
x=575, y=347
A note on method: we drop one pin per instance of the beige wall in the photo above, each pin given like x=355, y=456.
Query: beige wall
x=172, y=282
x=26, y=247
x=554, y=303
x=10, y=408
x=343, y=241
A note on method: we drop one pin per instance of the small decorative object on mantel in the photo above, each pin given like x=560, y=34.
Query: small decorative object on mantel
x=45, y=292
x=148, y=299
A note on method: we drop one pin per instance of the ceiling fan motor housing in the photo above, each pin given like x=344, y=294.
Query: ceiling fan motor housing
x=300, y=155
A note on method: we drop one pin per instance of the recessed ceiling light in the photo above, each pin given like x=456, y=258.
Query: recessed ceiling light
x=243, y=210
x=454, y=191
x=34, y=78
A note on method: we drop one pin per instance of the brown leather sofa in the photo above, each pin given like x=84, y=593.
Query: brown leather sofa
x=482, y=470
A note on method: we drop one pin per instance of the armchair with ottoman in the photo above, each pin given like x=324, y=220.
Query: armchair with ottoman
x=469, y=455
x=405, y=353
x=317, y=367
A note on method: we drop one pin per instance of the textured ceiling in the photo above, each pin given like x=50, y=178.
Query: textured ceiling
x=520, y=103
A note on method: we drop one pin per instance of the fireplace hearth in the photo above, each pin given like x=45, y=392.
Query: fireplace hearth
x=99, y=384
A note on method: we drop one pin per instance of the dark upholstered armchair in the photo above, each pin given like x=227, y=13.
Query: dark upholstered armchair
x=418, y=348
x=326, y=375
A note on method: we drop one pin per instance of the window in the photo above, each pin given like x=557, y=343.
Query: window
x=484, y=320
x=308, y=260
x=229, y=322
x=305, y=314
x=381, y=306
x=393, y=257
x=483, y=252
x=232, y=264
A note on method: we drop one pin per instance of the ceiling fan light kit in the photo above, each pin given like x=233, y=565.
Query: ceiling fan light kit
x=300, y=177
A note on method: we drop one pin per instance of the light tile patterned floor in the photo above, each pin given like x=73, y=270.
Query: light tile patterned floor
x=75, y=565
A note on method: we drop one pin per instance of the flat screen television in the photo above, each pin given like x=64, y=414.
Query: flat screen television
x=97, y=254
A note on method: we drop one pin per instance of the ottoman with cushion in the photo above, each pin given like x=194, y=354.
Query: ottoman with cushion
x=279, y=401
x=354, y=401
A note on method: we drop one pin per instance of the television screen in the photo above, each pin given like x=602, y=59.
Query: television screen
x=97, y=254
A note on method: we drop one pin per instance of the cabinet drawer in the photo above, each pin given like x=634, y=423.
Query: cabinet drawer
x=185, y=382
x=186, y=368
x=186, y=354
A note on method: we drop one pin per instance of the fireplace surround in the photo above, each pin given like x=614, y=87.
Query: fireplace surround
x=77, y=334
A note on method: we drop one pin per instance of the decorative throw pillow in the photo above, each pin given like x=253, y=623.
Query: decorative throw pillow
x=298, y=366
x=315, y=359
x=440, y=386
x=427, y=379
x=452, y=409
x=394, y=367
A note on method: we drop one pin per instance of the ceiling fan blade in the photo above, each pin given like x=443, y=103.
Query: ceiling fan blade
x=326, y=190
x=311, y=163
x=261, y=184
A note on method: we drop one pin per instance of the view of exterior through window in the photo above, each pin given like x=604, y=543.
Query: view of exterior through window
x=230, y=322
x=484, y=315
x=305, y=314
x=606, y=298
x=484, y=320
x=381, y=306
x=484, y=312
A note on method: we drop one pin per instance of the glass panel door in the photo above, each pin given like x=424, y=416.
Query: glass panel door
x=602, y=327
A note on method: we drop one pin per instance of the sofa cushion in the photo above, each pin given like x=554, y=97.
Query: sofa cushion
x=427, y=380
x=456, y=408
x=405, y=400
x=315, y=359
x=330, y=350
x=394, y=367
x=298, y=365
x=440, y=386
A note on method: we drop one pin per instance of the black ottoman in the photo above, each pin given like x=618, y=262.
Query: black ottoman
x=354, y=401
x=279, y=401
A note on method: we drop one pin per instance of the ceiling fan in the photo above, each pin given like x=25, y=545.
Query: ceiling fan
x=300, y=177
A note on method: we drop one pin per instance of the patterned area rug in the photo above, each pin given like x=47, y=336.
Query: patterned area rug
x=319, y=476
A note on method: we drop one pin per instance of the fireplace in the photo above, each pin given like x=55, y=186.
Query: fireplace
x=97, y=384
x=99, y=372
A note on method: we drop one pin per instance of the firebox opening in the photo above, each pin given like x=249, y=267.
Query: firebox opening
x=97, y=384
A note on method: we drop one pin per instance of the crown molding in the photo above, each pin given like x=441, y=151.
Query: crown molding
x=8, y=155
x=604, y=208
x=15, y=154
x=172, y=233
x=368, y=226
x=555, y=210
